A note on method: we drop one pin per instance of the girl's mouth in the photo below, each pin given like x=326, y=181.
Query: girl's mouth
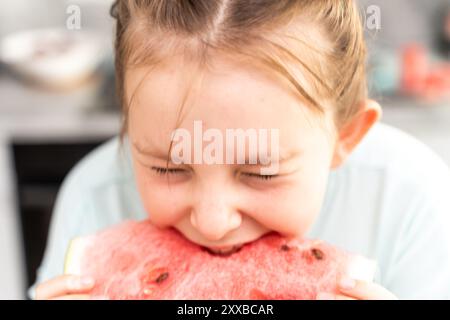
x=230, y=249
x=225, y=251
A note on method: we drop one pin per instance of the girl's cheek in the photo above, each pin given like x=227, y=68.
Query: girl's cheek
x=164, y=206
x=285, y=215
x=290, y=209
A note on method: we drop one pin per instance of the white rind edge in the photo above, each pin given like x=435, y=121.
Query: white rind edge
x=361, y=268
x=74, y=254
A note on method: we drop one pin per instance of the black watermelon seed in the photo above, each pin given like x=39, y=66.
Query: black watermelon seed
x=318, y=254
x=285, y=247
x=162, y=277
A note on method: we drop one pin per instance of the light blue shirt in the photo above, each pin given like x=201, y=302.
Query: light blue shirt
x=390, y=202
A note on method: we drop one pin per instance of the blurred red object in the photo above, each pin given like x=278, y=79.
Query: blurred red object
x=415, y=69
x=422, y=79
x=438, y=83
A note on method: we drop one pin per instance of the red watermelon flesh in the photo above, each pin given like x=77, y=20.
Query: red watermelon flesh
x=135, y=260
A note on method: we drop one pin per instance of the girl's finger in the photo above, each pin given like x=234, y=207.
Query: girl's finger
x=63, y=285
x=331, y=296
x=363, y=290
x=73, y=297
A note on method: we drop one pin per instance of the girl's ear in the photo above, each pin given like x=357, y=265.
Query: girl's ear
x=351, y=134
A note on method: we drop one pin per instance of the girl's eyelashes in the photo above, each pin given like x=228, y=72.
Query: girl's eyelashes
x=164, y=171
x=259, y=176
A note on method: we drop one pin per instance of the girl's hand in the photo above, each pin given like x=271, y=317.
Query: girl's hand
x=351, y=289
x=65, y=287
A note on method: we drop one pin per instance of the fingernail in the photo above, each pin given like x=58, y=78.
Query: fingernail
x=347, y=283
x=325, y=296
x=87, y=281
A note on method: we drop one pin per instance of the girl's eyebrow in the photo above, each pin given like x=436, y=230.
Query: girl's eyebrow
x=283, y=155
x=148, y=152
x=286, y=156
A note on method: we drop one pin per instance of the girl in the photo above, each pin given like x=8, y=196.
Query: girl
x=291, y=65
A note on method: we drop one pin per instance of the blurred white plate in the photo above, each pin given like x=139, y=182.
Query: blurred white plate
x=52, y=57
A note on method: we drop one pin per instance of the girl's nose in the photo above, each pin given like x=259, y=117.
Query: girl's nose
x=215, y=220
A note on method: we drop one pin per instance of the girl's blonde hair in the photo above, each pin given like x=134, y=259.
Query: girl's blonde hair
x=323, y=39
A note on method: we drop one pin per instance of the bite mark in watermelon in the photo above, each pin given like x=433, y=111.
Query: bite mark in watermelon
x=135, y=260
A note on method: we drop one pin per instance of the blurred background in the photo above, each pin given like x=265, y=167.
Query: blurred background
x=57, y=101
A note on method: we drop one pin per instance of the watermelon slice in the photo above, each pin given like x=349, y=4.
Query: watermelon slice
x=135, y=260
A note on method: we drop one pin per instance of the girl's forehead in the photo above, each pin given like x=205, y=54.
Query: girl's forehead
x=223, y=83
x=226, y=93
x=226, y=98
x=229, y=96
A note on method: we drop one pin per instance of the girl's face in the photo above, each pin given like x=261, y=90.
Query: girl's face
x=222, y=206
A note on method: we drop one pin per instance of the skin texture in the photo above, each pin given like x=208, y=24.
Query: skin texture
x=219, y=206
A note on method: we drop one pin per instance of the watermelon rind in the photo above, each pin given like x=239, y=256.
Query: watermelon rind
x=74, y=254
x=361, y=268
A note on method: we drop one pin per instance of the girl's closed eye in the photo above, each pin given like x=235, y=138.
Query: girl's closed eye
x=163, y=171
x=259, y=176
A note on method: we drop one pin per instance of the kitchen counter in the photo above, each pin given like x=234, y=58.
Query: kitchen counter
x=33, y=114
